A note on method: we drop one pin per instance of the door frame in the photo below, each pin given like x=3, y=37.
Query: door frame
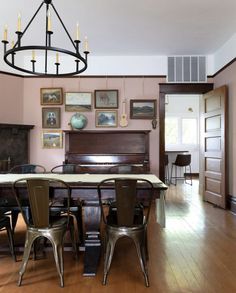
x=174, y=89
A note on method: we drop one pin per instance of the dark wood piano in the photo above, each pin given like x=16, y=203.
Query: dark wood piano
x=98, y=150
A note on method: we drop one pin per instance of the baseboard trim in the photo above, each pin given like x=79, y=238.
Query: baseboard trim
x=194, y=175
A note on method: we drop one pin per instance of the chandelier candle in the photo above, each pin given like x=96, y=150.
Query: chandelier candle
x=77, y=32
x=5, y=33
x=19, y=23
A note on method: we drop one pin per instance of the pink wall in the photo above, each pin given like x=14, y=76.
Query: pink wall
x=132, y=88
x=227, y=77
x=11, y=99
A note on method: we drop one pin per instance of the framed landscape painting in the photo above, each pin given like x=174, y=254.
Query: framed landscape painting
x=51, y=139
x=106, y=118
x=106, y=99
x=51, y=96
x=142, y=109
x=78, y=101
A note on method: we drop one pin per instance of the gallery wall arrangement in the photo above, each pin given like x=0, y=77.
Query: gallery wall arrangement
x=105, y=104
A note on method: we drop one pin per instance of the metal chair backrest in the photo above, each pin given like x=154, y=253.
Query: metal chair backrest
x=126, y=199
x=126, y=169
x=68, y=169
x=183, y=160
x=27, y=169
x=36, y=193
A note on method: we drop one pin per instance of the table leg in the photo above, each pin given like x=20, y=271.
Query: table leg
x=77, y=212
x=92, y=216
x=160, y=209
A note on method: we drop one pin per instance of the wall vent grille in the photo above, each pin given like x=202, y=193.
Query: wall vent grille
x=186, y=69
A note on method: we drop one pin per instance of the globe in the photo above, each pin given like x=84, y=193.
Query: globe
x=78, y=121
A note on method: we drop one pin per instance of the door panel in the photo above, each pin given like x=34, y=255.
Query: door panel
x=213, y=146
x=213, y=123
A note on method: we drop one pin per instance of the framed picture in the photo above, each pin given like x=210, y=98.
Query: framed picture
x=142, y=109
x=106, y=99
x=51, y=96
x=78, y=101
x=106, y=118
x=51, y=117
x=51, y=139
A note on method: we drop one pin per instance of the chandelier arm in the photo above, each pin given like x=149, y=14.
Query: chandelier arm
x=33, y=17
x=63, y=26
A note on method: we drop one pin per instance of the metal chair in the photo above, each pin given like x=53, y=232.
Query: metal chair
x=27, y=169
x=39, y=223
x=182, y=161
x=126, y=220
x=5, y=225
x=68, y=169
x=126, y=169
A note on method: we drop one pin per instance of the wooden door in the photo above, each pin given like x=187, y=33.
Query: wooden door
x=213, y=146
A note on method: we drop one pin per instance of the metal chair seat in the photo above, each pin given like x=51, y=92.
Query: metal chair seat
x=55, y=221
x=112, y=215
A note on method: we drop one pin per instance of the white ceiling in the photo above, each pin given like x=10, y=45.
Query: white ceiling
x=134, y=27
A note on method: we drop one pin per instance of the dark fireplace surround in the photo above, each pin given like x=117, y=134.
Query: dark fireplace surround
x=14, y=145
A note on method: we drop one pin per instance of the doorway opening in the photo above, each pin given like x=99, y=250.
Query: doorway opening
x=182, y=130
x=174, y=89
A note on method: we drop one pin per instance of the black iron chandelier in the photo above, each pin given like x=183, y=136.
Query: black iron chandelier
x=80, y=63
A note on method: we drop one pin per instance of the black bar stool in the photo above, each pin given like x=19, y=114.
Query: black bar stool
x=182, y=161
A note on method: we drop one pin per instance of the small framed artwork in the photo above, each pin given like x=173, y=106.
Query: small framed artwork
x=78, y=101
x=106, y=118
x=106, y=99
x=51, y=96
x=51, y=117
x=51, y=139
x=142, y=109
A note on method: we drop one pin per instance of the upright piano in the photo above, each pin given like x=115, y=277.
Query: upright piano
x=98, y=150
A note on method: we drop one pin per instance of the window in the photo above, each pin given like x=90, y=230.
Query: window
x=189, y=131
x=181, y=130
x=171, y=130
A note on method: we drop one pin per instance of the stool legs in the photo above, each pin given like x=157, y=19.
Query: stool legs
x=176, y=175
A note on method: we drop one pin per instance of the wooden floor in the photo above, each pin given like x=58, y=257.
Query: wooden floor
x=196, y=252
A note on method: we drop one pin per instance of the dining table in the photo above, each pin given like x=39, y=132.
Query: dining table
x=84, y=188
